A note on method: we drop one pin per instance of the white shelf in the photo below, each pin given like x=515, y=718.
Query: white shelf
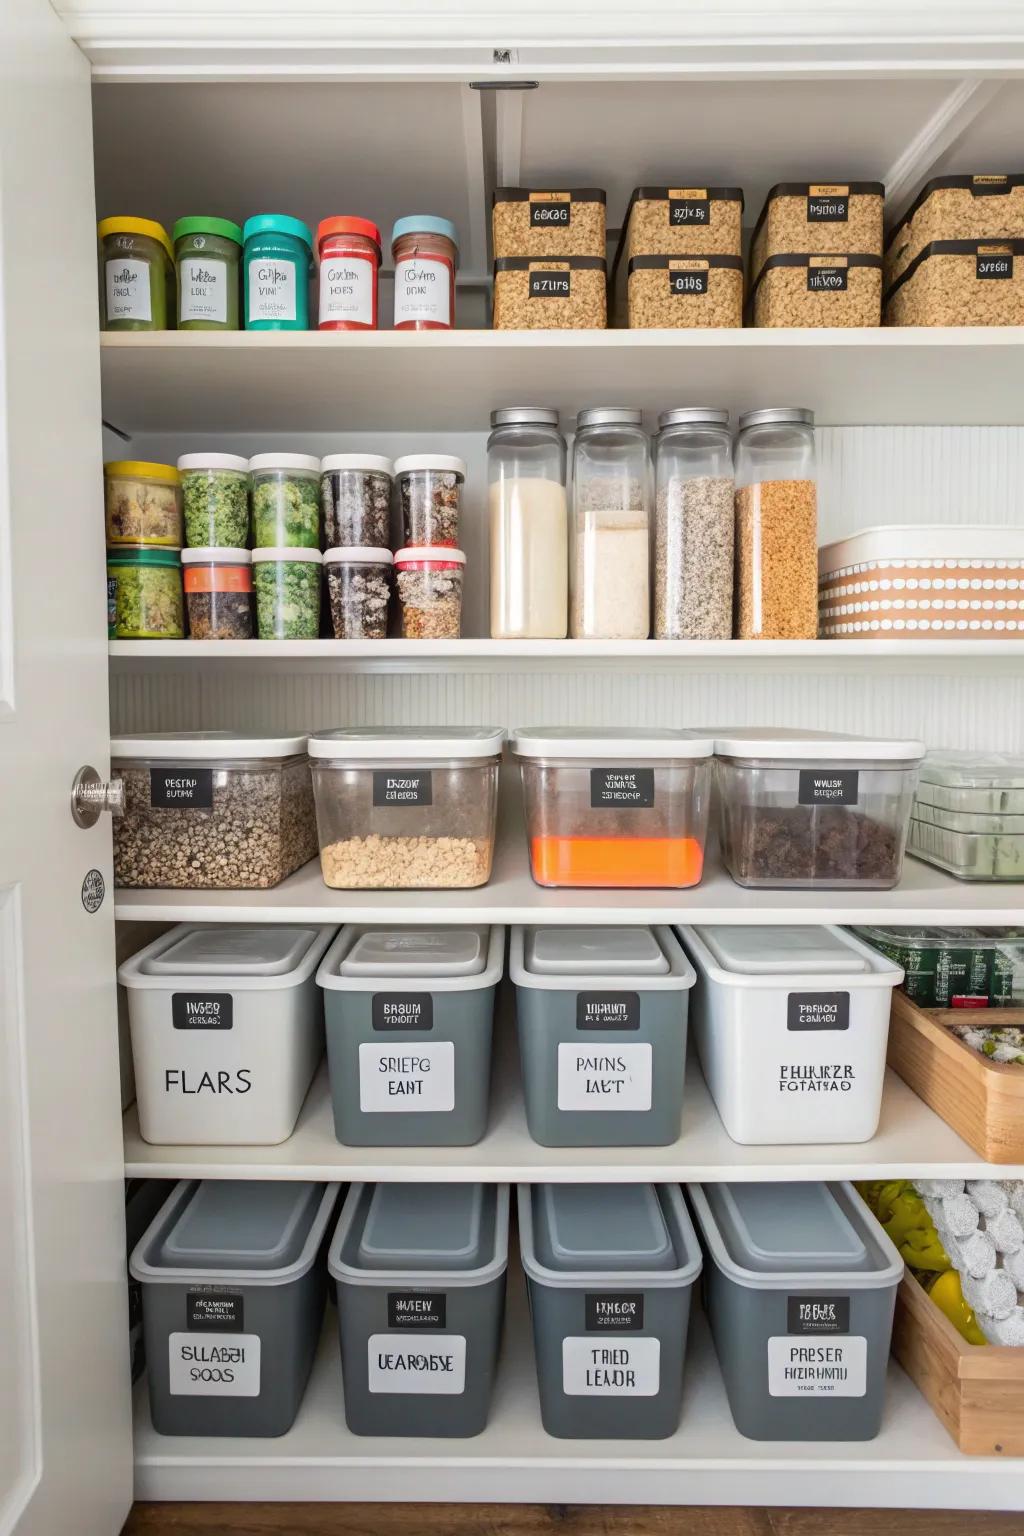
x=168, y=381
x=913, y=1463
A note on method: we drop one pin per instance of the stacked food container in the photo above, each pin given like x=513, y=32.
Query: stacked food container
x=549, y=259
x=954, y=258
x=144, y=539
x=679, y=260
x=968, y=815
x=816, y=255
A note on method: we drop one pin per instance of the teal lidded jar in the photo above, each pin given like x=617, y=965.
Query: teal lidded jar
x=278, y=258
x=208, y=254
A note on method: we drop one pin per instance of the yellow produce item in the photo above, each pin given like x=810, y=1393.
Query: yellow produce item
x=946, y=1293
x=896, y=1204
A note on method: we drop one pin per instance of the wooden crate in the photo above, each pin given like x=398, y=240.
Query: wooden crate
x=982, y=1100
x=977, y=1390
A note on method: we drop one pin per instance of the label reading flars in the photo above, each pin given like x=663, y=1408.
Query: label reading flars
x=202, y=1010
x=818, y=1010
x=403, y=786
x=818, y=1314
x=627, y=1368
x=994, y=263
x=550, y=285
x=435, y=1367
x=614, y=1311
x=823, y=786
x=407, y=1079
x=622, y=787
x=836, y=1367
x=828, y=205
x=607, y=1010
x=550, y=210
x=212, y=1311
x=417, y=1309
x=214, y=1365
x=402, y=1010
x=612, y=1078
x=688, y=205
x=828, y=274
x=181, y=789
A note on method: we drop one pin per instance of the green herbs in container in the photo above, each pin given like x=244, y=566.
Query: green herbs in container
x=208, y=255
x=285, y=501
x=144, y=599
x=287, y=586
x=215, y=492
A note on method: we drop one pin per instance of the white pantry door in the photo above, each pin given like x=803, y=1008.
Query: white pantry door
x=65, y=1421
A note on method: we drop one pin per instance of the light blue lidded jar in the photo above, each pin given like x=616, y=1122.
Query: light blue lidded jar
x=278, y=257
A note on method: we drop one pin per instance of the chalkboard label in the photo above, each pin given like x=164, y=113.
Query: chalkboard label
x=818, y=1314
x=827, y=279
x=549, y=285
x=824, y=207
x=623, y=787
x=417, y=1309
x=614, y=1311
x=682, y=283
x=607, y=1010
x=181, y=789
x=403, y=786
x=823, y=786
x=223, y=1311
x=688, y=210
x=818, y=1010
x=544, y=215
x=202, y=1010
x=999, y=265
x=402, y=1010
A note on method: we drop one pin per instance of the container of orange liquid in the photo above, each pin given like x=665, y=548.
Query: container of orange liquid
x=615, y=808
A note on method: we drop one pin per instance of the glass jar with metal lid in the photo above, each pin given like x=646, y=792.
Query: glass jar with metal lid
x=529, y=524
x=610, y=570
x=693, y=544
x=776, y=526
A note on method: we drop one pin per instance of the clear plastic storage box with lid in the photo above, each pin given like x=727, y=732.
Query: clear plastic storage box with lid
x=799, y=1288
x=211, y=810
x=410, y=1015
x=226, y=1030
x=601, y=1016
x=611, y=1269
x=791, y=1025
x=611, y=499
x=805, y=809
x=968, y=968
x=406, y=807
x=529, y=524
x=968, y=815
x=420, y=1276
x=614, y=807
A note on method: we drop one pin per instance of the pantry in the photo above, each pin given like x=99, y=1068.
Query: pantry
x=398, y=656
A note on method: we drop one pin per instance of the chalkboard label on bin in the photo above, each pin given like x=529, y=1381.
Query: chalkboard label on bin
x=823, y=786
x=818, y=1314
x=622, y=787
x=993, y=264
x=550, y=285
x=417, y=1309
x=402, y=1010
x=614, y=1311
x=552, y=210
x=211, y=1310
x=202, y=1010
x=181, y=789
x=607, y=1010
x=830, y=278
x=818, y=1010
x=403, y=786
x=693, y=281
x=688, y=208
x=828, y=205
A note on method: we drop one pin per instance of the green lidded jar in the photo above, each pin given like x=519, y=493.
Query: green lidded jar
x=144, y=600
x=215, y=494
x=137, y=282
x=278, y=257
x=287, y=587
x=208, y=256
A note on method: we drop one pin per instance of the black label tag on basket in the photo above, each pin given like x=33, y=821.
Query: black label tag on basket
x=621, y=787
x=818, y=1010
x=607, y=1010
x=828, y=208
x=688, y=210
x=181, y=789
x=214, y=1311
x=827, y=279
x=817, y=1314
x=999, y=264
x=417, y=1309
x=202, y=1010
x=614, y=1311
x=545, y=215
x=821, y=786
x=403, y=786
x=549, y=285
x=688, y=282
x=402, y=1010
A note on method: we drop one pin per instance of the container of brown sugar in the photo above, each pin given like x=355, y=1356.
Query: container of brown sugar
x=823, y=218
x=983, y=207
x=676, y=292
x=548, y=222
x=960, y=282
x=806, y=290
x=567, y=294
x=776, y=526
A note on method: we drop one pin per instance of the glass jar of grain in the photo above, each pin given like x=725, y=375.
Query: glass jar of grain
x=610, y=566
x=776, y=526
x=529, y=525
x=693, y=525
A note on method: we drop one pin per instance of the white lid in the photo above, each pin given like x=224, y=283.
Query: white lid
x=205, y=554
x=205, y=746
x=259, y=950
x=973, y=770
x=358, y=554
x=594, y=951
x=440, y=461
x=369, y=463
x=815, y=746
x=399, y=743
x=212, y=461
x=305, y=461
x=916, y=541
x=426, y=554
x=804, y=951
x=298, y=556
x=618, y=742
x=394, y=952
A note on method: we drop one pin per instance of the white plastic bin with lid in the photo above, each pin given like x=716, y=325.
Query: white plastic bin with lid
x=227, y=1031
x=234, y=1285
x=813, y=810
x=409, y=1024
x=610, y=1269
x=601, y=1017
x=791, y=1025
x=799, y=1289
x=420, y=1274
x=614, y=807
x=406, y=807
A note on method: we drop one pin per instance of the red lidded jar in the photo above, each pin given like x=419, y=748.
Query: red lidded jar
x=349, y=252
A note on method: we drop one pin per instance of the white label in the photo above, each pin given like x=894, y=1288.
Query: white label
x=398, y=1363
x=619, y=1368
x=272, y=289
x=423, y=291
x=204, y=288
x=214, y=1364
x=407, y=1079
x=801, y=1366
x=128, y=296
x=346, y=290
x=604, y=1077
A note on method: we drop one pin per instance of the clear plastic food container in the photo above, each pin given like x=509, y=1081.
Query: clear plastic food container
x=430, y=592
x=218, y=593
x=143, y=503
x=359, y=591
x=285, y=500
x=972, y=783
x=614, y=808
x=964, y=847
x=956, y=967
x=215, y=491
x=406, y=807
x=287, y=587
x=355, y=499
x=803, y=809
x=430, y=489
x=144, y=594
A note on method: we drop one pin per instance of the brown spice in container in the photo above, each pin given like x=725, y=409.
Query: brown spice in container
x=406, y=863
x=430, y=593
x=821, y=218
x=527, y=222
x=807, y=290
x=565, y=295
x=960, y=282
x=219, y=615
x=675, y=292
x=821, y=844
x=693, y=559
x=980, y=207
x=777, y=560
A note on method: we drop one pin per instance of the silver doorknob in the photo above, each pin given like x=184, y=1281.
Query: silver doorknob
x=91, y=796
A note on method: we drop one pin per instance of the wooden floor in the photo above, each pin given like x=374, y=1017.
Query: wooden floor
x=550, y=1520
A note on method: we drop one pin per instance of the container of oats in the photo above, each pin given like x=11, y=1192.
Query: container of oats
x=211, y=810
x=142, y=503
x=549, y=294
x=406, y=807
x=678, y=292
x=820, y=218
x=800, y=289
x=776, y=526
x=430, y=592
x=682, y=221
x=546, y=222
x=960, y=282
x=984, y=207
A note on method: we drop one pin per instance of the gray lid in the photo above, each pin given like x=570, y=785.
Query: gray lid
x=693, y=415
x=771, y=1228
x=524, y=415
x=259, y=950
x=398, y=952
x=757, y=951
x=412, y=1227
x=609, y=416
x=587, y=1227
x=240, y=1224
x=777, y=415
x=594, y=952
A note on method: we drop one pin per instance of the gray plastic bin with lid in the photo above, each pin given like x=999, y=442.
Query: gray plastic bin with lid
x=799, y=1289
x=409, y=1015
x=234, y=1285
x=601, y=1016
x=420, y=1272
x=610, y=1270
